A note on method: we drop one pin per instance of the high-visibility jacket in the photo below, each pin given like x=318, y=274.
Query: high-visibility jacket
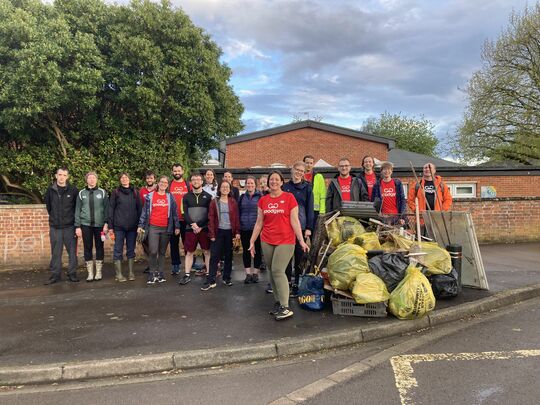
x=443, y=198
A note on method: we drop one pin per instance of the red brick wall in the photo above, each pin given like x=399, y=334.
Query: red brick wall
x=506, y=186
x=24, y=229
x=290, y=147
x=24, y=238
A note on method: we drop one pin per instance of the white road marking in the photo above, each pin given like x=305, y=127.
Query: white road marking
x=403, y=365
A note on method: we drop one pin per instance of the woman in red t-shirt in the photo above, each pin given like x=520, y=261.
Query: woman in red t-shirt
x=278, y=225
x=159, y=219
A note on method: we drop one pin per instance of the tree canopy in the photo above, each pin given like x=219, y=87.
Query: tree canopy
x=502, y=119
x=105, y=87
x=410, y=133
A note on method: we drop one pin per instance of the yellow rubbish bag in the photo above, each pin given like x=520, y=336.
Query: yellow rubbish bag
x=368, y=288
x=437, y=260
x=369, y=241
x=345, y=264
x=388, y=246
x=401, y=242
x=344, y=229
x=413, y=297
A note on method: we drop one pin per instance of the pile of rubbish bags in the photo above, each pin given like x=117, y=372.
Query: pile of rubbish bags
x=410, y=287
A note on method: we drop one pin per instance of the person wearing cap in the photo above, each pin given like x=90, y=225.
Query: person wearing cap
x=90, y=223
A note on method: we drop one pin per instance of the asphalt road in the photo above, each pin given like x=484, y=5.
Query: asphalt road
x=452, y=380
x=496, y=362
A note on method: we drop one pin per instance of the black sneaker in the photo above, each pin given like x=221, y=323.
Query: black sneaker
x=294, y=291
x=269, y=289
x=249, y=279
x=254, y=278
x=52, y=280
x=283, y=313
x=73, y=278
x=208, y=286
x=146, y=270
x=161, y=278
x=186, y=278
x=151, y=280
x=275, y=310
x=228, y=283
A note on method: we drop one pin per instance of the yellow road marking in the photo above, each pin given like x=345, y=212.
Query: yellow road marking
x=403, y=365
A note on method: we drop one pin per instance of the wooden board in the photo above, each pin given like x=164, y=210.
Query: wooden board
x=458, y=228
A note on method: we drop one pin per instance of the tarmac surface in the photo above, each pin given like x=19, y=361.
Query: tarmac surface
x=70, y=322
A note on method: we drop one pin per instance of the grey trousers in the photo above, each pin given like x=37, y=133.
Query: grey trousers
x=59, y=238
x=158, y=240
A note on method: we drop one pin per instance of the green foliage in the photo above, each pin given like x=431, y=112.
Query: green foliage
x=412, y=134
x=502, y=119
x=110, y=88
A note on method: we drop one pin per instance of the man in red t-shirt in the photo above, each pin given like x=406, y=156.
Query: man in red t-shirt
x=344, y=187
x=150, y=178
x=179, y=187
x=368, y=176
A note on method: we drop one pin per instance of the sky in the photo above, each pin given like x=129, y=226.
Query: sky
x=344, y=61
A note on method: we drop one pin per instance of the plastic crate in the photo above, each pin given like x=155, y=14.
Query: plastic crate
x=347, y=306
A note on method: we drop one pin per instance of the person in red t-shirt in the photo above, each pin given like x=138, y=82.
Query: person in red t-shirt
x=159, y=219
x=390, y=193
x=278, y=225
x=150, y=179
x=179, y=187
x=344, y=187
x=368, y=176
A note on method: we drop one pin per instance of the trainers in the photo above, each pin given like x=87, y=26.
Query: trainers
x=283, y=313
x=294, y=291
x=185, y=279
x=269, y=289
x=275, y=310
x=151, y=280
x=161, y=278
x=208, y=286
x=228, y=283
x=248, y=279
x=254, y=278
x=175, y=270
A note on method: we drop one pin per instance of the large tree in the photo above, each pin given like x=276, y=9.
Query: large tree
x=502, y=119
x=108, y=87
x=410, y=133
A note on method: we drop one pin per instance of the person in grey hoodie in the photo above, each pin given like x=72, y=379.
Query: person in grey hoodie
x=91, y=212
x=303, y=194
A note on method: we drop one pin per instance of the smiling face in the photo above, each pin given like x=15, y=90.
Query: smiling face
x=368, y=164
x=196, y=182
x=309, y=164
x=386, y=172
x=225, y=188
x=209, y=177
x=163, y=183
x=250, y=185
x=177, y=172
x=344, y=167
x=275, y=182
x=429, y=174
x=150, y=180
x=124, y=180
x=297, y=173
x=227, y=176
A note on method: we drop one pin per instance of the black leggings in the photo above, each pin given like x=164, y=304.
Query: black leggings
x=91, y=235
x=245, y=237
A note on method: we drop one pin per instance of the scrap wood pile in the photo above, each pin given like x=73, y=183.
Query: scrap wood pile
x=376, y=263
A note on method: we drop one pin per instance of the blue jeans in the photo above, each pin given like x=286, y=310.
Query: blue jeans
x=130, y=237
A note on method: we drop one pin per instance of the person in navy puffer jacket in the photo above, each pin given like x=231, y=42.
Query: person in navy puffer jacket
x=247, y=205
x=303, y=193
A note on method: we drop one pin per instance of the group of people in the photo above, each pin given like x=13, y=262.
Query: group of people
x=273, y=220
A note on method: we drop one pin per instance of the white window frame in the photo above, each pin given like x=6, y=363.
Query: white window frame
x=453, y=186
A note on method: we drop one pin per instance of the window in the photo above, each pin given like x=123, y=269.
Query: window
x=462, y=190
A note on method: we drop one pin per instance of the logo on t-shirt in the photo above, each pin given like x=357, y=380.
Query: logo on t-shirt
x=429, y=189
x=274, y=209
x=389, y=192
x=346, y=188
x=160, y=202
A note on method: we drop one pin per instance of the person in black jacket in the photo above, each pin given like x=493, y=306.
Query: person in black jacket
x=344, y=187
x=124, y=212
x=235, y=193
x=60, y=199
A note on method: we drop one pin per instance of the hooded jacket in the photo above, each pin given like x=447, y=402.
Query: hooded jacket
x=92, y=207
x=400, y=196
x=213, y=217
x=248, y=207
x=333, y=195
x=443, y=198
x=172, y=213
x=304, y=197
x=61, y=205
x=318, y=186
x=124, y=209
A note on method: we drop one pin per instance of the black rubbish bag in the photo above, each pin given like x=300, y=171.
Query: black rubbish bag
x=390, y=267
x=445, y=285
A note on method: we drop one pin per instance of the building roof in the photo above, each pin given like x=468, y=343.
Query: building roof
x=308, y=124
x=403, y=158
